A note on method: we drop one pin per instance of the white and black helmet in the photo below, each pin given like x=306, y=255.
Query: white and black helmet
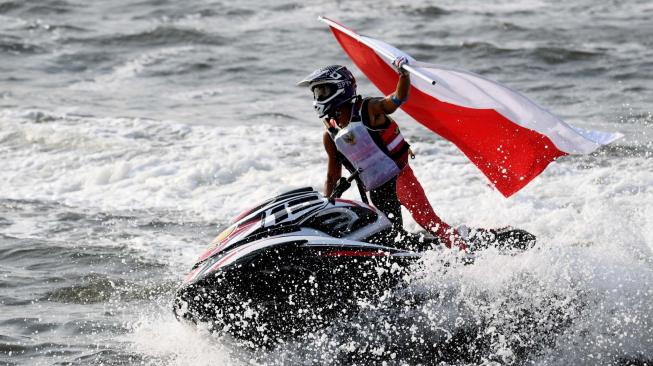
x=332, y=86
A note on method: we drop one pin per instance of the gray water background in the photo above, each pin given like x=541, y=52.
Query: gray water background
x=90, y=257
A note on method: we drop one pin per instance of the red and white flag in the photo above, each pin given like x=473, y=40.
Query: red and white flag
x=507, y=136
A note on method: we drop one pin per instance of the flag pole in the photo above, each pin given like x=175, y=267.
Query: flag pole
x=382, y=52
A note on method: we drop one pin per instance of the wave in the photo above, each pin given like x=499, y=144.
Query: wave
x=424, y=11
x=37, y=255
x=81, y=61
x=486, y=48
x=558, y=55
x=161, y=35
x=53, y=27
x=181, y=69
x=546, y=54
x=17, y=47
x=36, y=7
x=642, y=150
x=175, y=15
x=60, y=349
x=287, y=7
x=99, y=288
x=9, y=6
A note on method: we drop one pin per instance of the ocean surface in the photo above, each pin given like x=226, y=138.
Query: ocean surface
x=131, y=131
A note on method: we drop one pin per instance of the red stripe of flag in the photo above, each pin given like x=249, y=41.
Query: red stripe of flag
x=486, y=137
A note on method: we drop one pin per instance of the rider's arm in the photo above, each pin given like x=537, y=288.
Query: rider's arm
x=392, y=102
x=334, y=167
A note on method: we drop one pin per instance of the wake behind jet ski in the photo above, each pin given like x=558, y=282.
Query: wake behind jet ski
x=298, y=260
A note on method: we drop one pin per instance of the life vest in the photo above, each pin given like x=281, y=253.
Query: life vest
x=380, y=154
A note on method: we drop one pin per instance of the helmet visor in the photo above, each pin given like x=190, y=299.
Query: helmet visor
x=323, y=92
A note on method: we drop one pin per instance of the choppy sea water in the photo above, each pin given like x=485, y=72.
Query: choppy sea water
x=130, y=132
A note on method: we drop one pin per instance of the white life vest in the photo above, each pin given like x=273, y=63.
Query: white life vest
x=357, y=145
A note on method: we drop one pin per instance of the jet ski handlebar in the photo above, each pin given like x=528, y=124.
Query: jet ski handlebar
x=343, y=185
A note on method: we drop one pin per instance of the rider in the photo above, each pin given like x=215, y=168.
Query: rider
x=361, y=136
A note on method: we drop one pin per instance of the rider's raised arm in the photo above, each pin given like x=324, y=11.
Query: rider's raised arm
x=334, y=166
x=390, y=103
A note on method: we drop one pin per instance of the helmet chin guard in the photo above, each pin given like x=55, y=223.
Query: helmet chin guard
x=332, y=86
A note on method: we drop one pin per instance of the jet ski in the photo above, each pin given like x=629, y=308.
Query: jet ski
x=300, y=259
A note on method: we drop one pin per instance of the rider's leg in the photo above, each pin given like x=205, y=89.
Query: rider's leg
x=412, y=196
x=385, y=199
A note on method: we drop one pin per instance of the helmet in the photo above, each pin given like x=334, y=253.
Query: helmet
x=332, y=86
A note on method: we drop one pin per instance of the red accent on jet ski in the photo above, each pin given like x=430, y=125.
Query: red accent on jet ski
x=225, y=258
x=226, y=240
x=192, y=274
x=238, y=230
x=355, y=253
x=245, y=213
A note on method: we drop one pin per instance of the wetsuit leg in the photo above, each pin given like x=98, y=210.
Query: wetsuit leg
x=412, y=196
x=385, y=199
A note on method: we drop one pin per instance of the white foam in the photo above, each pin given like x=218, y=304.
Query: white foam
x=213, y=172
x=123, y=74
x=164, y=340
